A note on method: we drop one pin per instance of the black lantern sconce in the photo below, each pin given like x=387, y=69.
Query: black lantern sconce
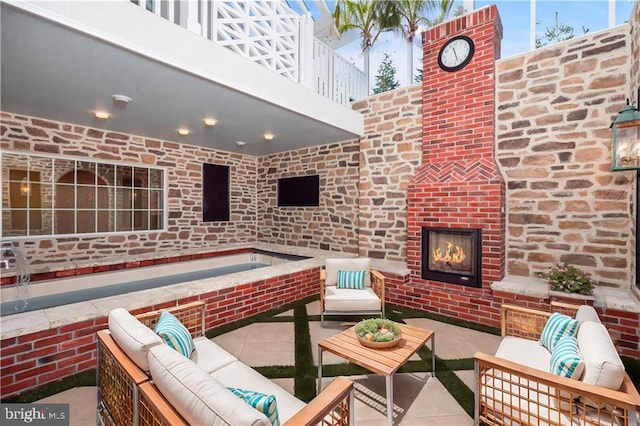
x=625, y=137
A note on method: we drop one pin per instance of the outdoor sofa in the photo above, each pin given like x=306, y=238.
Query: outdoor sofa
x=144, y=381
x=516, y=386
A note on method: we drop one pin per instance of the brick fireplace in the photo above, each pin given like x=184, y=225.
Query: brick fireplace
x=458, y=187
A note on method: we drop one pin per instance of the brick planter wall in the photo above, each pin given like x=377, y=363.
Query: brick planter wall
x=35, y=359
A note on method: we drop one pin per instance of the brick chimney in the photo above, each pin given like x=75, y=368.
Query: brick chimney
x=459, y=185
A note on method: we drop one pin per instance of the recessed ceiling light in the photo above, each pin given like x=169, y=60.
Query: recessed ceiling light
x=121, y=98
x=101, y=114
x=241, y=143
x=210, y=122
x=269, y=137
x=183, y=132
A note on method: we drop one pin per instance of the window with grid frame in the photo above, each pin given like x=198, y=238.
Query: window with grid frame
x=45, y=195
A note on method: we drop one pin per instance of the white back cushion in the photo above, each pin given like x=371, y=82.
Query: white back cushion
x=133, y=337
x=332, y=266
x=602, y=365
x=587, y=313
x=196, y=396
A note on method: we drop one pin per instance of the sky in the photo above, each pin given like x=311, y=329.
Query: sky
x=580, y=14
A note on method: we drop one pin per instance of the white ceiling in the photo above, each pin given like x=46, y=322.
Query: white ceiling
x=56, y=72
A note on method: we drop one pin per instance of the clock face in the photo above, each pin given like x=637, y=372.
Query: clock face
x=456, y=53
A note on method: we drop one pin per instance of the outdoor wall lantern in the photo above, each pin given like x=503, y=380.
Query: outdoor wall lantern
x=625, y=138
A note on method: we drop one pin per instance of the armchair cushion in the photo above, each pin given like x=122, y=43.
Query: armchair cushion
x=557, y=325
x=351, y=279
x=266, y=404
x=565, y=358
x=602, y=365
x=133, y=337
x=332, y=266
x=175, y=334
x=350, y=300
x=198, y=397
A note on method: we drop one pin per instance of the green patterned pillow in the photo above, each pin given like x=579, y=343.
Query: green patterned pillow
x=266, y=404
x=566, y=360
x=351, y=279
x=557, y=326
x=175, y=334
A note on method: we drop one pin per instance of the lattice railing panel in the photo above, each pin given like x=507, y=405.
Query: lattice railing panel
x=267, y=32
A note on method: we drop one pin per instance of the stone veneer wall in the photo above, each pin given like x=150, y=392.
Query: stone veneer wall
x=331, y=226
x=634, y=30
x=184, y=175
x=390, y=153
x=35, y=359
x=553, y=112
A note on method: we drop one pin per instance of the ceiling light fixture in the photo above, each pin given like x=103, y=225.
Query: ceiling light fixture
x=184, y=132
x=241, y=143
x=121, y=98
x=210, y=122
x=269, y=136
x=101, y=114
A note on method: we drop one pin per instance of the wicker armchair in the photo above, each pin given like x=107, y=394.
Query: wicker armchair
x=336, y=301
x=508, y=392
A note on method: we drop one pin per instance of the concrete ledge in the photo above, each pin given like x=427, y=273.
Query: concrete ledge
x=606, y=297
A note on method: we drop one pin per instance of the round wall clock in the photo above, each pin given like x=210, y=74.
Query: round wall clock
x=456, y=53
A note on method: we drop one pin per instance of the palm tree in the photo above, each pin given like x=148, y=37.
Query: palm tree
x=410, y=14
x=370, y=17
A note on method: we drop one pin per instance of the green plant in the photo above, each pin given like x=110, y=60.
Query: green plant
x=569, y=279
x=378, y=330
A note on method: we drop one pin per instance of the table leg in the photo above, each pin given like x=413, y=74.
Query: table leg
x=389, y=400
x=319, y=370
x=433, y=355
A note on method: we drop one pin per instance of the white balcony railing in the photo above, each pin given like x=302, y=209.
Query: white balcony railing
x=270, y=33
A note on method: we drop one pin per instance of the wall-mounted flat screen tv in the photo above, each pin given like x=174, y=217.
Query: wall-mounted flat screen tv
x=299, y=191
x=215, y=193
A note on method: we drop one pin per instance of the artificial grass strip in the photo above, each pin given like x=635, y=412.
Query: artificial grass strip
x=458, y=390
x=87, y=378
x=306, y=372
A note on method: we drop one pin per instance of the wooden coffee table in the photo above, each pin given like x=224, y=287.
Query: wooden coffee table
x=380, y=361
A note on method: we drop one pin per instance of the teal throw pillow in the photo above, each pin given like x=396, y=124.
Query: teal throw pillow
x=351, y=279
x=266, y=404
x=557, y=326
x=175, y=334
x=566, y=360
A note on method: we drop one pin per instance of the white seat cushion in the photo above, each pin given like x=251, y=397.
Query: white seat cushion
x=332, y=266
x=133, y=337
x=524, y=351
x=209, y=356
x=239, y=375
x=198, y=397
x=351, y=300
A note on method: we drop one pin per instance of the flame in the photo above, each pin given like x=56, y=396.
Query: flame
x=453, y=254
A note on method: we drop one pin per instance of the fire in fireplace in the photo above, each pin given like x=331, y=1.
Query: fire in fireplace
x=452, y=255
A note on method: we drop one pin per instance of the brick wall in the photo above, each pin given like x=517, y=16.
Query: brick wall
x=634, y=31
x=554, y=108
x=184, y=175
x=331, y=226
x=390, y=153
x=35, y=359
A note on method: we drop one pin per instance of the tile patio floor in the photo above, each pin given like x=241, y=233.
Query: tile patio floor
x=419, y=399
